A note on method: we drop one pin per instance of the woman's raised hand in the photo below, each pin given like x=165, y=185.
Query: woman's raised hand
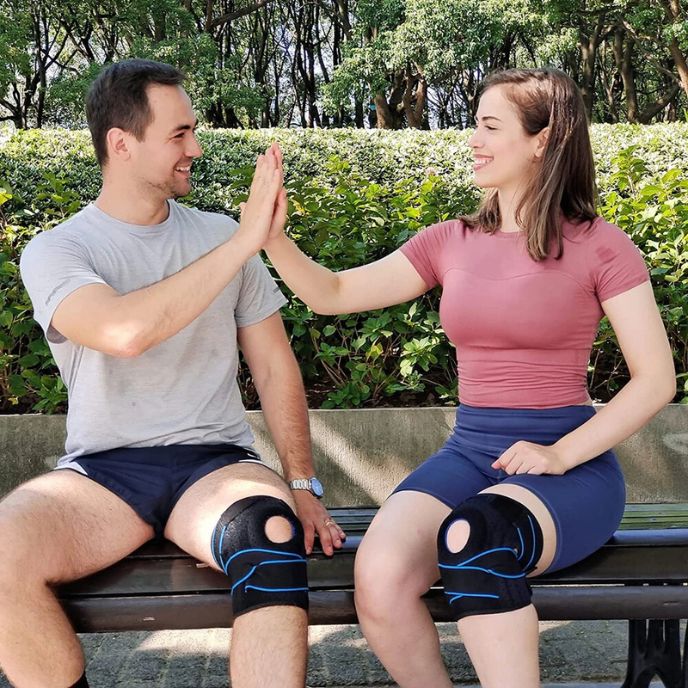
x=266, y=202
x=279, y=217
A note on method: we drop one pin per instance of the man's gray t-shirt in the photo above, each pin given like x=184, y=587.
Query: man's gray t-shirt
x=182, y=391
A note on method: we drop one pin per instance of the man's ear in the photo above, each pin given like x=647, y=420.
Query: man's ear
x=118, y=144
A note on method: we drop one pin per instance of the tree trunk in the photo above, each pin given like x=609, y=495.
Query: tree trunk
x=588, y=47
x=385, y=118
x=414, y=98
x=623, y=53
x=673, y=11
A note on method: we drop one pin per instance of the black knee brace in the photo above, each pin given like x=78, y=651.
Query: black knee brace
x=263, y=573
x=488, y=575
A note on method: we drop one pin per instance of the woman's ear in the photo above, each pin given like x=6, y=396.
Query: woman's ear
x=541, y=139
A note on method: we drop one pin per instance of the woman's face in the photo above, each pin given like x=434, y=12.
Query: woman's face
x=504, y=154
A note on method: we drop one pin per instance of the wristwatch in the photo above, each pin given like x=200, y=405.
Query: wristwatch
x=312, y=484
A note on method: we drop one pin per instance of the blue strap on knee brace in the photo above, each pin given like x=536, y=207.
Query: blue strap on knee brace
x=488, y=575
x=263, y=573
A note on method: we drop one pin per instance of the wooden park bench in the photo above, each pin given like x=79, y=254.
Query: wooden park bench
x=640, y=575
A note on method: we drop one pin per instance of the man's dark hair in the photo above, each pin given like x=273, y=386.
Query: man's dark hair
x=118, y=98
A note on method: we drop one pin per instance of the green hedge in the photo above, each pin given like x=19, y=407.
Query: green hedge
x=354, y=196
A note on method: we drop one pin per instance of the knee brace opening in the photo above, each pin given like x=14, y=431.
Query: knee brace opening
x=263, y=571
x=278, y=529
x=488, y=574
x=458, y=534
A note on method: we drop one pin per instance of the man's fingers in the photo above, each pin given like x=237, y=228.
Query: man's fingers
x=336, y=534
x=308, y=536
x=326, y=540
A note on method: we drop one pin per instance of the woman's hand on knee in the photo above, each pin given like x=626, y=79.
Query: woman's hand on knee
x=534, y=459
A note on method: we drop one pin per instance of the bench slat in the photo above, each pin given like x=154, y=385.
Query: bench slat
x=97, y=615
x=180, y=574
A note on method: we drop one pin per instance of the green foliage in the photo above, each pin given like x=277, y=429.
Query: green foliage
x=653, y=210
x=27, y=372
x=355, y=196
x=367, y=356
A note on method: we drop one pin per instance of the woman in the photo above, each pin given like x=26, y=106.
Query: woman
x=527, y=482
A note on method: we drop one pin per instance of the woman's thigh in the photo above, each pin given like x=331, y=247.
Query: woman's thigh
x=585, y=504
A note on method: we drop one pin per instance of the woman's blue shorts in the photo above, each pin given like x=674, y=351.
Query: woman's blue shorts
x=586, y=502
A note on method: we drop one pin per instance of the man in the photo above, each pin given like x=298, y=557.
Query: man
x=143, y=301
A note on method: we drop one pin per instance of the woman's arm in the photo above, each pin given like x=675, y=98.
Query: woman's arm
x=644, y=345
x=643, y=341
x=386, y=282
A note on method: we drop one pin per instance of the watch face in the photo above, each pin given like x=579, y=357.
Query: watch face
x=317, y=487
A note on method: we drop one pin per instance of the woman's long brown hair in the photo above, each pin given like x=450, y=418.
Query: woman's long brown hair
x=565, y=179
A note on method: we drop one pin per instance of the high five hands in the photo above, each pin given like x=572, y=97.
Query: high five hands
x=264, y=213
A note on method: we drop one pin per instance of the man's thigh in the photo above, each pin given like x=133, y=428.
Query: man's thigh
x=195, y=515
x=62, y=526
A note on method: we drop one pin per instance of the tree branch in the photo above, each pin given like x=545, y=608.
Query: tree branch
x=231, y=16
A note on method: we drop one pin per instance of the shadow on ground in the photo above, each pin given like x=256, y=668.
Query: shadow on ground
x=593, y=651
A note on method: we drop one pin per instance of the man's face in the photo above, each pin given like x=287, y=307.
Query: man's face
x=162, y=160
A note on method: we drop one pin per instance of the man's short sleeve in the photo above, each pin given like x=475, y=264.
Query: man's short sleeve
x=259, y=296
x=52, y=267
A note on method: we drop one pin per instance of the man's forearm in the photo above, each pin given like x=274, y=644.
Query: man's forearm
x=286, y=415
x=159, y=311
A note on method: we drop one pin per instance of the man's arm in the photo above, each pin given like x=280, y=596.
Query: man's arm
x=98, y=317
x=277, y=378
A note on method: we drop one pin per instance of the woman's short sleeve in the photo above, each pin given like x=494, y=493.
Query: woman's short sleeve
x=424, y=250
x=618, y=264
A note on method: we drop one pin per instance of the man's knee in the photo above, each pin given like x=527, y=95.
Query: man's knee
x=486, y=546
x=258, y=542
x=20, y=561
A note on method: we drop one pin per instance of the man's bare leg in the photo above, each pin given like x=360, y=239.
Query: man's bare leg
x=269, y=645
x=56, y=528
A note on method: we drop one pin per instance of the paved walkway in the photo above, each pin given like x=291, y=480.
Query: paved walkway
x=590, y=654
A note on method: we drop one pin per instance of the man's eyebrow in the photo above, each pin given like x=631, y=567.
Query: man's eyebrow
x=185, y=127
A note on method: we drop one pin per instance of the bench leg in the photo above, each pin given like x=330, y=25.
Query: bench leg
x=654, y=649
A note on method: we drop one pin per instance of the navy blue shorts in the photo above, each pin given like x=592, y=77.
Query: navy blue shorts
x=152, y=479
x=586, y=503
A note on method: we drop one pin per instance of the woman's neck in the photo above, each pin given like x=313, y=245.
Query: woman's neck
x=508, y=200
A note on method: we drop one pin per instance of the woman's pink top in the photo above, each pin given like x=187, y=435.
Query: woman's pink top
x=524, y=329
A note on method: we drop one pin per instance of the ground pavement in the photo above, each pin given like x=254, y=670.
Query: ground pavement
x=590, y=654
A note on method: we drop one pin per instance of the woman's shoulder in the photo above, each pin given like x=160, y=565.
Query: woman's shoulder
x=445, y=230
x=607, y=252
x=596, y=231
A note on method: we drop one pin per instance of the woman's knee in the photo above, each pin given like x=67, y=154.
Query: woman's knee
x=486, y=546
x=384, y=578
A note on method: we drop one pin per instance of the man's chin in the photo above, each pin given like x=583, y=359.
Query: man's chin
x=181, y=190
